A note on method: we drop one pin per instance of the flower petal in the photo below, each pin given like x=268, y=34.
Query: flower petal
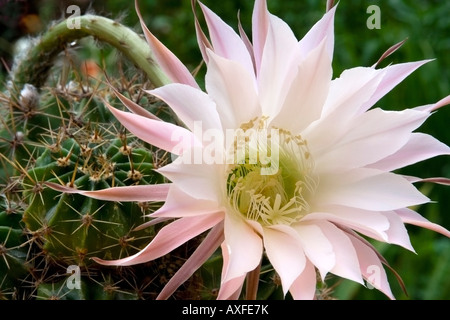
x=304, y=287
x=316, y=246
x=323, y=29
x=232, y=288
x=248, y=44
x=200, y=181
x=397, y=233
x=191, y=105
x=225, y=41
x=438, y=180
x=140, y=193
x=346, y=96
x=260, y=24
x=369, y=223
x=285, y=253
x=208, y=246
x=179, y=204
x=411, y=217
x=419, y=147
x=161, y=134
x=435, y=106
x=347, y=265
x=371, y=267
x=307, y=93
x=134, y=107
x=242, y=258
x=369, y=189
x=373, y=136
x=173, y=67
x=277, y=70
x=393, y=76
x=225, y=80
x=168, y=238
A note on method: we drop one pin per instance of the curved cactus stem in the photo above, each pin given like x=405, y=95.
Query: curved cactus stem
x=38, y=61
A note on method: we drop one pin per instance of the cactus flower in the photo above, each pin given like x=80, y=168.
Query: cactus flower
x=277, y=158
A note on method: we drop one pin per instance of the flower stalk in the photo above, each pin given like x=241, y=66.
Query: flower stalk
x=34, y=68
x=252, y=283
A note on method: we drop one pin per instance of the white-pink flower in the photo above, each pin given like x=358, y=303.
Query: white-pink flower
x=333, y=153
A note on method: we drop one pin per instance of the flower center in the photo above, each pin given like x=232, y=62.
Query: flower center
x=272, y=178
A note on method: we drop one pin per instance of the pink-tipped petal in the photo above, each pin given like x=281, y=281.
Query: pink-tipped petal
x=140, y=193
x=152, y=222
x=435, y=106
x=225, y=41
x=260, y=23
x=202, y=39
x=173, y=67
x=134, y=107
x=278, y=66
x=411, y=217
x=208, y=246
x=244, y=246
x=441, y=103
x=161, y=134
x=191, y=105
x=371, y=267
x=304, y=287
x=323, y=29
x=168, y=238
x=390, y=51
x=247, y=42
x=419, y=147
x=285, y=253
x=393, y=76
x=438, y=180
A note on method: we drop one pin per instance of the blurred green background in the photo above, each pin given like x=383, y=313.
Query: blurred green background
x=424, y=22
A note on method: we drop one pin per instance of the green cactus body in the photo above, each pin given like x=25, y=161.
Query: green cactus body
x=13, y=248
x=75, y=227
x=86, y=289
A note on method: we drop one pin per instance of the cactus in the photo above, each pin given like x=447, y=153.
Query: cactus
x=76, y=227
x=26, y=118
x=13, y=250
x=61, y=132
